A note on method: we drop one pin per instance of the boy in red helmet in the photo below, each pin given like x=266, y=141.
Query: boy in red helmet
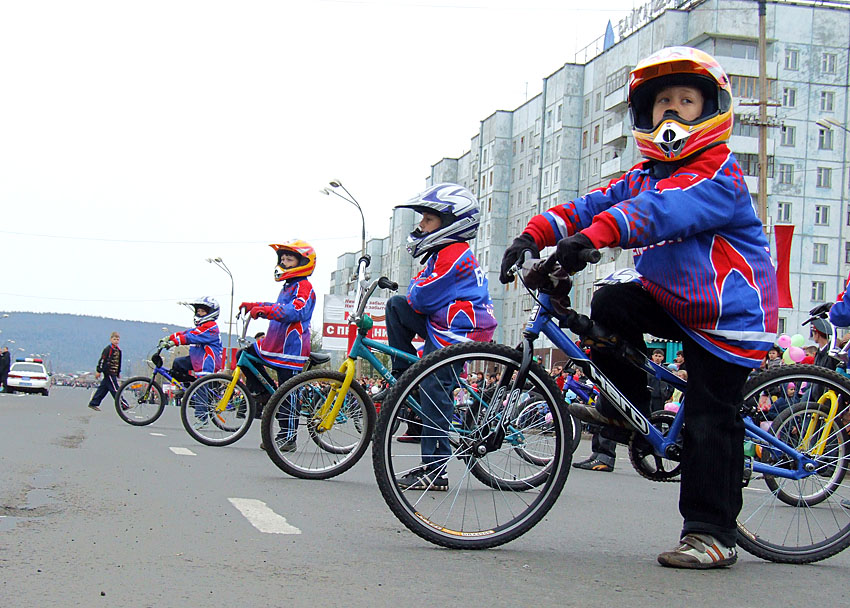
x=704, y=277
x=286, y=345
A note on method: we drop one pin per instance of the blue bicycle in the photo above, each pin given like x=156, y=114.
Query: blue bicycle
x=140, y=400
x=800, y=515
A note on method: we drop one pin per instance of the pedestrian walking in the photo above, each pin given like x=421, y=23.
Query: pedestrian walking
x=109, y=365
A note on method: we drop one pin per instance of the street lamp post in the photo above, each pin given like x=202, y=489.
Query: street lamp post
x=220, y=263
x=351, y=200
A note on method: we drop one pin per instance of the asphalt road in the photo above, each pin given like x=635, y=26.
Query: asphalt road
x=94, y=512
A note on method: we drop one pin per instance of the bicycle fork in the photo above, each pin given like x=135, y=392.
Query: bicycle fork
x=326, y=415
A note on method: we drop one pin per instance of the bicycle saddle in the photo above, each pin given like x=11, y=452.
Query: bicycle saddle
x=319, y=358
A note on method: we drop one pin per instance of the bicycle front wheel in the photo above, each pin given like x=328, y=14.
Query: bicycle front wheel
x=808, y=519
x=212, y=420
x=291, y=419
x=487, y=469
x=139, y=401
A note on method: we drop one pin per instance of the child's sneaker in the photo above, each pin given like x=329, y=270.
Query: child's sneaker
x=422, y=479
x=699, y=551
x=594, y=464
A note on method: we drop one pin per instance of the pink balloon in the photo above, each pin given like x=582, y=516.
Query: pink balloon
x=784, y=341
x=796, y=353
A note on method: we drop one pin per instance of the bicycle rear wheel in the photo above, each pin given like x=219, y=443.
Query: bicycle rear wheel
x=291, y=415
x=501, y=484
x=211, y=421
x=139, y=401
x=808, y=519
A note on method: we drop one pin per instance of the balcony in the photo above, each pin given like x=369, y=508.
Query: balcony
x=753, y=184
x=612, y=168
x=740, y=144
x=616, y=135
x=616, y=100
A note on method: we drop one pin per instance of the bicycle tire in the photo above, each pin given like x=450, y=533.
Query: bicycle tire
x=328, y=453
x=205, y=423
x=771, y=524
x=139, y=401
x=500, y=515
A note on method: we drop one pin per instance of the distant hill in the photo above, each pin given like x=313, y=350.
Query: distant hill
x=75, y=341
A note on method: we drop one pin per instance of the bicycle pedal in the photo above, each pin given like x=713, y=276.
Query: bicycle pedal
x=748, y=471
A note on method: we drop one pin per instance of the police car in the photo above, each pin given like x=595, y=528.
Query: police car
x=28, y=376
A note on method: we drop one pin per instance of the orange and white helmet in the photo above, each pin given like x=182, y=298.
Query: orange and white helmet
x=674, y=138
x=306, y=260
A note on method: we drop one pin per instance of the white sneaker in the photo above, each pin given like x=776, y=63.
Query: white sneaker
x=699, y=551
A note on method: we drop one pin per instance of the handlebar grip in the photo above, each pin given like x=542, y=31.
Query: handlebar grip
x=365, y=258
x=385, y=283
x=591, y=256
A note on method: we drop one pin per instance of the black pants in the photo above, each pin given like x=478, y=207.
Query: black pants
x=109, y=384
x=713, y=434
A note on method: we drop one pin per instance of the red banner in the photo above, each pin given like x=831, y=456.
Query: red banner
x=784, y=233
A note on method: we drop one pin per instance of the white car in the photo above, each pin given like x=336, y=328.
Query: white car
x=29, y=376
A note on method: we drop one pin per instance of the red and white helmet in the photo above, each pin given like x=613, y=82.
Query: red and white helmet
x=306, y=260
x=674, y=138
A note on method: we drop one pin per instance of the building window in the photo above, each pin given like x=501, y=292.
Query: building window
x=822, y=215
x=825, y=139
x=847, y=253
x=558, y=115
x=750, y=164
x=824, y=177
x=545, y=178
x=491, y=177
x=827, y=101
x=818, y=291
x=513, y=175
x=598, y=104
x=587, y=106
x=788, y=135
x=595, y=166
x=616, y=80
x=521, y=170
x=819, y=253
x=827, y=63
x=737, y=48
x=522, y=143
x=596, y=134
x=786, y=174
x=555, y=175
x=529, y=166
x=549, y=117
x=513, y=148
x=781, y=325
x=783, y=212
x=792, y=58
x=485, y=156
x=584, y=140
x=789, y=97
x=748, y=87
x=743, y=128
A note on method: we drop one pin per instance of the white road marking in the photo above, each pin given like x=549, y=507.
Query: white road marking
x=183, y=451
x=262, y=517
x=158, y=434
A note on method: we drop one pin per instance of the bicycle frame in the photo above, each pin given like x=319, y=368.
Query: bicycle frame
x=247, y=362
x=542, y=320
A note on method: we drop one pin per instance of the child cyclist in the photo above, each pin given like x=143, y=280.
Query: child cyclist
x=204, y=342
x=446, y=303
x=286, y=345
x=703, y=277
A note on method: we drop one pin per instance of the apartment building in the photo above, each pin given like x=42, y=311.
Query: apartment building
x=576, y=135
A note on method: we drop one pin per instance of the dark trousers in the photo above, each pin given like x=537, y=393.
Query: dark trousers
x=4, y=379
x=435, y=391
x=109, y=384
x=713, y=433
x=181, y=370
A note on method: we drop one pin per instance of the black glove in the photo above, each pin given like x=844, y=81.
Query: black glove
x=569, y=252
x=514, y=252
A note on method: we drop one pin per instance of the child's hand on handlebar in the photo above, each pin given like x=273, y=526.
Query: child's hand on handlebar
x=513, y=254
x=260, y=311
x=571, y=252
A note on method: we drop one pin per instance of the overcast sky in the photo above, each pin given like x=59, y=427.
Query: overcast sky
x=138, y=139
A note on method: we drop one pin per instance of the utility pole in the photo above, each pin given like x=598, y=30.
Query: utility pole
x=762, y=180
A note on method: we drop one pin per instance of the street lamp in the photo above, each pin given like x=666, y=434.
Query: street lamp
x=220, y=263
x=351, y=200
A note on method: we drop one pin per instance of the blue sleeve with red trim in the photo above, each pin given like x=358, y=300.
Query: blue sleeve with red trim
x=839, y=314
x=296, y=305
